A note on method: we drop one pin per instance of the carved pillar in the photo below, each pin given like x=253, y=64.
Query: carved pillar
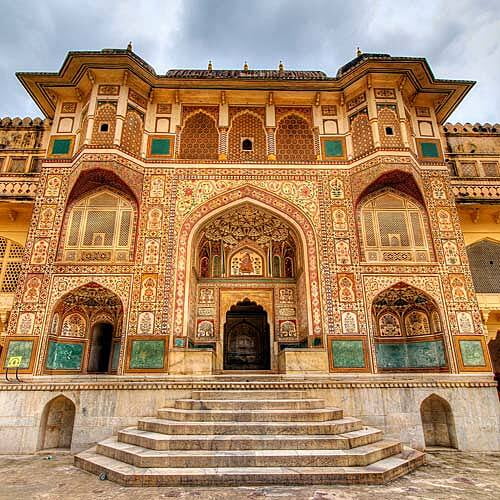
x=121, y=111
x=90, y=115
x=271, y=143
x=223, y=133
x=373, y=116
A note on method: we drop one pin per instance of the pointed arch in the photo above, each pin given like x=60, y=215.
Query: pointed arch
x=78, y=340
x=438, y=423
x=100, y=219
x=57, y=423
x=294, y=139
x=484, y=261
x=247, y=125
x=268, y=201
x=11, y=258
x=405, y=338
x=103, y=133
x=199, y=139
x=132, y=132
x=400, y=180
x=393, y=227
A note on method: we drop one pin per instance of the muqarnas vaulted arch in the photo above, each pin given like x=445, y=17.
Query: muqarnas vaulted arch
x=408, y=331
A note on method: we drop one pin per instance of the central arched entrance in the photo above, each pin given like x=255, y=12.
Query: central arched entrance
x=246, y=337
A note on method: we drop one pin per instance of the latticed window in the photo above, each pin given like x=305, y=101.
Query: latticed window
x=11, y=256
x=490, y=169
x=99, y=229
x=17, y=165
x=393, y=230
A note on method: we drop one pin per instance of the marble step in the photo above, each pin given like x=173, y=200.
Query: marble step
x=163, y=426
x=249, y=404
x=314, y=415
x=129, y=475
x=157, y=441
x=143, y=457
x=249, y=394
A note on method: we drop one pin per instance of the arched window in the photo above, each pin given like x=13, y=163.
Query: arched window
x=11, y=256
x=393, y=229
x=99, y=228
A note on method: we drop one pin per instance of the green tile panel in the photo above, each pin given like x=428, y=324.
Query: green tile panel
x=64, y=356
x=348, y=354
x=472, y=353
x=401, y=355
x=147, y=354
x=21, y=348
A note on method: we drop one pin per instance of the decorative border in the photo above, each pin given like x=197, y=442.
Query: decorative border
x=231, y=386
x=468, y=368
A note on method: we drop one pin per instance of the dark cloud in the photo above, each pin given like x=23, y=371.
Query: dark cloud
x=458, y=37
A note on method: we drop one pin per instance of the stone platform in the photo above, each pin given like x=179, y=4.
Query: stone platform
x=234, y=438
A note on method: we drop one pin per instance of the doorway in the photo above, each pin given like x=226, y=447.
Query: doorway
x=246, y=337
x=100, y=350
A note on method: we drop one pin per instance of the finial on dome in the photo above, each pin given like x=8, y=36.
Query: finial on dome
x=281, y=68
x=129, y=46
x=210, y=67
x=358, y=52
x=245, y=66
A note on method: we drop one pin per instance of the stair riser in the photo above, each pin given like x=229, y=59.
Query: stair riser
x=249, y=461
x=241, y=428
x=249, y=394
x=251, y=479
x=250, y=405
x=293, y=416
x=333, y=443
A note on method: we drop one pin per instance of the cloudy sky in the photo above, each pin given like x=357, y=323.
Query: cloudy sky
x=459, y=38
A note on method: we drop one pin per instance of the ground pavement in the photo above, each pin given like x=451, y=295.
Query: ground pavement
x=448, y=475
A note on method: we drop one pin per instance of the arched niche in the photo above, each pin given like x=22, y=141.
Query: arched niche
x=484, y=261
x=235, y=228
x=199, y=138
x=294, y=139
x=245, y=241
x=56, y=429
x=437, y=422
x=85, y=334
x=100, y=218
x=393, y=228
x=407, y=330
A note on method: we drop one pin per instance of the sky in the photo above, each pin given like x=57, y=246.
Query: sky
x=459, y=38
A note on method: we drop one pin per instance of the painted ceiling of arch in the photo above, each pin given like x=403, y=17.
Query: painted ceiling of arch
x=92, y=296
x=247, y=222
x=401, y=296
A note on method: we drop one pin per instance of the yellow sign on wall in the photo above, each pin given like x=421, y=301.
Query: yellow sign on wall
x=14, y=362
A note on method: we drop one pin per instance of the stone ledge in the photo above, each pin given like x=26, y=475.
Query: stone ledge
x=181, y=385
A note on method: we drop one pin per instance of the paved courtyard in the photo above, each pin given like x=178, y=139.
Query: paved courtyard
x=448, y=475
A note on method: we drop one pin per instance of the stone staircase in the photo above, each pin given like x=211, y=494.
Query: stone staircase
x=235, y=438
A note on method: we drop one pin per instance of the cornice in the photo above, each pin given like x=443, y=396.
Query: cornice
x=231, y=386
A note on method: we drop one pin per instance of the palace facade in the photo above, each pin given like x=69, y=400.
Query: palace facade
x=206, y=228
